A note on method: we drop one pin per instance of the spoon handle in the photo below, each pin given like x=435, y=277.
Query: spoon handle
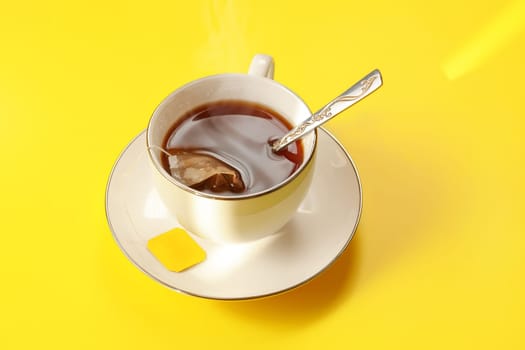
x=356, y=93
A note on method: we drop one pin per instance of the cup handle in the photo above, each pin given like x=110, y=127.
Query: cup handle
x=262, y=65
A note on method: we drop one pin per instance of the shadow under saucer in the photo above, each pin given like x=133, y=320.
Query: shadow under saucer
x=309, y=302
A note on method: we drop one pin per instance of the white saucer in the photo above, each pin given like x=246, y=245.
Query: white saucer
x=314, y=238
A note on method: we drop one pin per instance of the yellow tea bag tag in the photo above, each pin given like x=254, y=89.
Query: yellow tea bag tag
x=176, y=250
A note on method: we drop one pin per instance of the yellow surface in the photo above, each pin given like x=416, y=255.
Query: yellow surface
x=176, y=250
x=438, y=259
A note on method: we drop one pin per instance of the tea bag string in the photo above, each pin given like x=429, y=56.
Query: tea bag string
x=159, y=149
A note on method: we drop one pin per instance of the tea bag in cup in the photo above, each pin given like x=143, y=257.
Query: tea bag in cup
x=203, y=171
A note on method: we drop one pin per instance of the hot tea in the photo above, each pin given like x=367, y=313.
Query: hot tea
x=224, y=147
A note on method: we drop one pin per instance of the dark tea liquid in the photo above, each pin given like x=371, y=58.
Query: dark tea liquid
x=237, y=133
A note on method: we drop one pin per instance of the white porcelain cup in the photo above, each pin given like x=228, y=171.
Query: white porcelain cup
x=241, y=217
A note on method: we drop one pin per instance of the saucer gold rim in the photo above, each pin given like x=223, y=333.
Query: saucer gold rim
x=291, y=287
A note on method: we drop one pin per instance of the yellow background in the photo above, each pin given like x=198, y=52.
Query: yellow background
x=438, y=259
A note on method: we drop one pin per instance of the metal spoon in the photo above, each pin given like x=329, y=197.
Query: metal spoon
x=356, y=93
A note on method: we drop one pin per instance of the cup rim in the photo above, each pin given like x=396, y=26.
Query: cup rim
x=234, y=197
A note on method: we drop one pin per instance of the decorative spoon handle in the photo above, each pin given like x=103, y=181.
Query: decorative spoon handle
x=356, y=93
